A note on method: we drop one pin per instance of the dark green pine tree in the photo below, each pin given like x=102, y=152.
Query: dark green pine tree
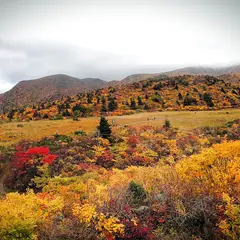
x=112, y=105
x=140, y=103
x=10, y=115
x=98, y=99
x=36, y=114
x=68, y=105
x=104, y=128
x=167, y=124
x=104, y=106
x=133, y=104
x=208, y=99
x=180, y=96
x=89, y=98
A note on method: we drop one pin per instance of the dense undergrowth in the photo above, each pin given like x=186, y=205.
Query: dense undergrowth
x=140, y=183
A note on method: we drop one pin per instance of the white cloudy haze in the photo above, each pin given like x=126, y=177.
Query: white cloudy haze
x=110, y=39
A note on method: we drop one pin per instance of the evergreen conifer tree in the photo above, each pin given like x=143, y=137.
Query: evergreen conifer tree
x=104, y=128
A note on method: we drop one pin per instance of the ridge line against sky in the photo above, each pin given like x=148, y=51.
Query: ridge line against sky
x=113, y=39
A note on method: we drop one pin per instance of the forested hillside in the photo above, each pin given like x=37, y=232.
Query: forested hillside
x=47, y=88
x=156, y=94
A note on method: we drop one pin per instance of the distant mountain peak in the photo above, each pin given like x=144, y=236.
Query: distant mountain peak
x=50, y=87
x=193, y=70
x=56, y=86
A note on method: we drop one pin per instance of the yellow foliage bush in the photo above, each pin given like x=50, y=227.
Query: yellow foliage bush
x=109, y=226
x=215, y=170
x=84, y=213
x=211, y=173
x=21, y=213
x=231, y=225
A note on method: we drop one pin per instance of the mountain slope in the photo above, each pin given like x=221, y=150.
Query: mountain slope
x=138, y=78
x=231, y=77
x=232, y=72
x=48, y=88
x=187, y=92
x=57, y=86
x=205, y=71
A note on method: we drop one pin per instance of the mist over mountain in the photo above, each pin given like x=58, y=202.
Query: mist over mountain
x=211, y=71
x=217, y=71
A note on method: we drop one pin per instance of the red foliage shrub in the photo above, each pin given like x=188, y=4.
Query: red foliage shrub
x=49, y=159
x=87, y=167
x=38, y=151
x=138, y=231
x=133, y=140
x=25, y=167
x=32, y=157
x=105, y=160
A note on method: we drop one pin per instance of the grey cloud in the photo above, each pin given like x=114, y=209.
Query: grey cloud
x=33, y=60
x=23, y=23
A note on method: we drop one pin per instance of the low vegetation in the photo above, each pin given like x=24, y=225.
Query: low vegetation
x=162, y=163
x=126, y=182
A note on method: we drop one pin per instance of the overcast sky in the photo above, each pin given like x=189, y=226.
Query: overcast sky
x=111, y=39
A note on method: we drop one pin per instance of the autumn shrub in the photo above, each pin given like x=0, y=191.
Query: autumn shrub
x=133, y=140
x=154, y=184
x=190, y=215
x=29, y=164
x=62, y=138
x=80, y=133
x=134, y=230
x=5, y=158
x=20, y=215
x=108, y=227
x=67, y=228
x=105, y=159
x=215, y=170
x=230, y=222
x=137, y=192
x=189, y=144
x=58, y=117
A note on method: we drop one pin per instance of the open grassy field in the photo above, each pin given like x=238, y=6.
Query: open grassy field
x=11, y=133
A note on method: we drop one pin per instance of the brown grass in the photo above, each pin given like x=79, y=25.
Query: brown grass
x=10, y=133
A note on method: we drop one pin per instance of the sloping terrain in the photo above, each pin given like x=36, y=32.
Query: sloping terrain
x=232, y=72
x=138, y=78
x=55, y=87
x=205, y=71
x=48, y=88
x=187, y=92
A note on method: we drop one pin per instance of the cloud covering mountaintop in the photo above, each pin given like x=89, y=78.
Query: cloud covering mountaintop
x=112, y=39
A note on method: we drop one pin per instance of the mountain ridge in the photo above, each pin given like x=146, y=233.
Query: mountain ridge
x=197, y=70
x=180, y=93
x=56, y=86
x=50, y=87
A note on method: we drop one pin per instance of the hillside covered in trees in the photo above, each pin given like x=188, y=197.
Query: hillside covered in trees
x=156, y=94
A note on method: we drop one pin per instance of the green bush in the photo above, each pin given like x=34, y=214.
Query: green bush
x=80, y=133
x=137, y=192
